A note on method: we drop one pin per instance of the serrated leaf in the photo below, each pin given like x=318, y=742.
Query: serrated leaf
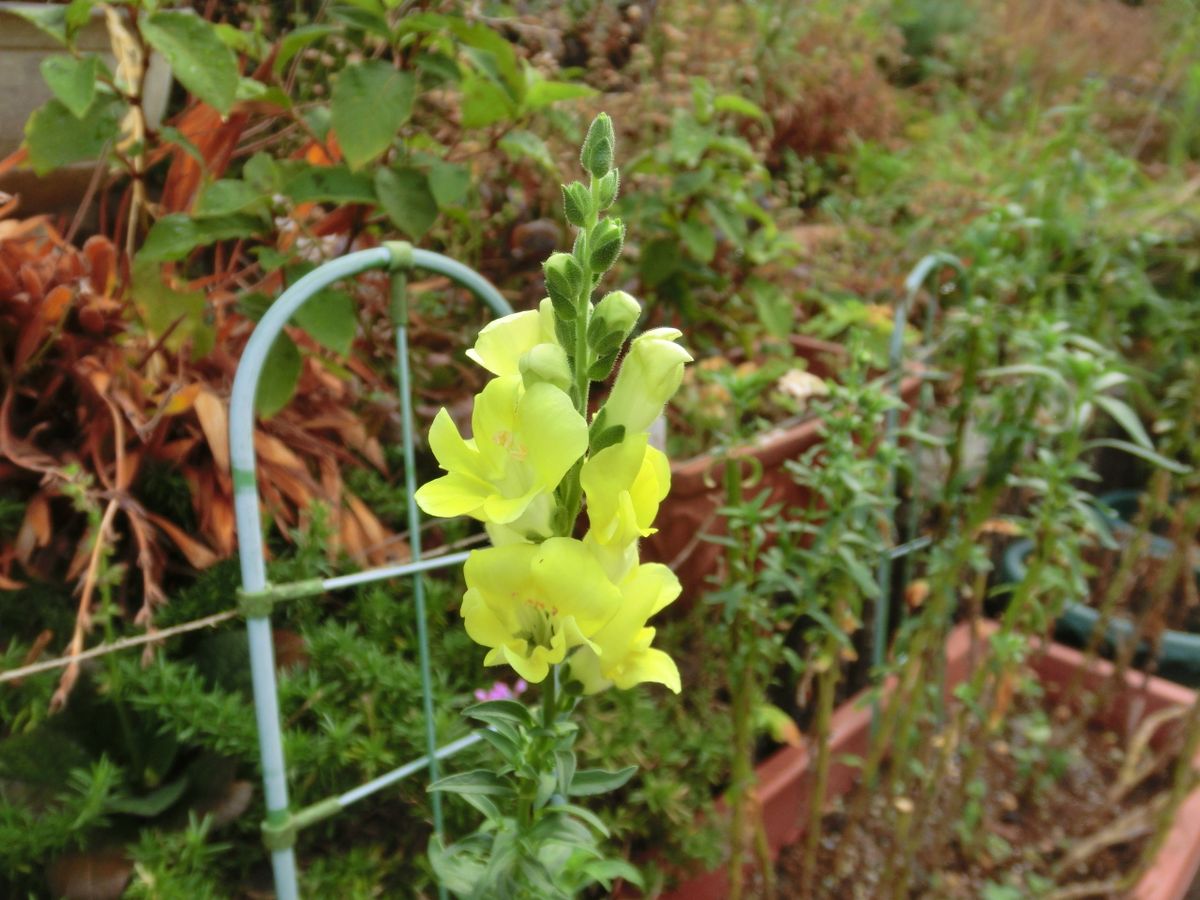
x=406, y=197
x=72, y=80
x=296, y=40
x=47, y=18
x=173, y=237
x=198, y=58
x=332, y=320
x=329, y=184
x=589, y=782
x=226, y=197
x=371, y=100
x=479, y=781
x=449, y=183
x=56, y=138
x=1124, y=416
x=280, y=375
x=163, y=308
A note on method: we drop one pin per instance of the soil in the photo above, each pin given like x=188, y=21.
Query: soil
x=1182, y=610
x=1038, y=805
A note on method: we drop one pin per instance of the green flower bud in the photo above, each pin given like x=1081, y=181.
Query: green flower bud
x=609, y=185
x=546, y=363
x=598, y=147
x=617, y=312
x=577, y=203
x=604, y=245
x=564, y=279
x=649, y=376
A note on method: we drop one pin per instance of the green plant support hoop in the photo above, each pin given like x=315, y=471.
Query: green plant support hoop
x=1179, y=655
x=257, y=596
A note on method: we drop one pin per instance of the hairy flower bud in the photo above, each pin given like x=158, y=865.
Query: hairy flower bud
x=604, y=245
x=598, y=147
x=577, y=203
x=650, y=374
x=618, y=312
x=564, y=278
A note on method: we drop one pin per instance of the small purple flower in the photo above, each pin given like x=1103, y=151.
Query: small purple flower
x=501, y=691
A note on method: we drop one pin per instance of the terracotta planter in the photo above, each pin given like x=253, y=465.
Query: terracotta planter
x=784, y=786
x=697, y=491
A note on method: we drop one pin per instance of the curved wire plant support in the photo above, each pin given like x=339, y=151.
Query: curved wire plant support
x=258, y=596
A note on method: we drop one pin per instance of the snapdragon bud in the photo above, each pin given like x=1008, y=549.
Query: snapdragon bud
x=617, y=313
x=564, y=279
x=598, y=147
x=604, y=245
x=609, y=185
x=577, y=203
x=650, y=374
x=546, y=363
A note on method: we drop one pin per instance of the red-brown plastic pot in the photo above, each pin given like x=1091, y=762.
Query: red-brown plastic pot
x=697, y=489
x=784, y=786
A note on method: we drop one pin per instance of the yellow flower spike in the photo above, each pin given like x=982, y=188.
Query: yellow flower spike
x=620, y=653
x=624, y=485
x=532, y=603
x=525, y=441
x=650, y=374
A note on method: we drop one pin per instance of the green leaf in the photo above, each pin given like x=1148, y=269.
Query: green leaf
x=406, y=197
x=150, y=805
x=503, y=744
x=51, y=20
x=589, y=782
x=660, y=260
x=449, y=183
x=492, y=711
x=227, y=196
x=606, y=871
x=484, y=102
x=521, y=144
x=1124, y=416
x=175, y=236
x=1142, y=453
x=198, y=58
x=280, y=375
x=162, y=307
x=296, y=40
x=480, y=781
x=699, y=239
x=371, y=100
x=774, y=307
x=332, y=320
x=56, y=138
x=544, y=93
x=738, y=105
x=329, y=184
x=564, y=767
x=252, y=89
x=72, y=80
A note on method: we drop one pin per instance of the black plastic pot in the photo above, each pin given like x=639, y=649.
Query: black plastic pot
x=1179, y=654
